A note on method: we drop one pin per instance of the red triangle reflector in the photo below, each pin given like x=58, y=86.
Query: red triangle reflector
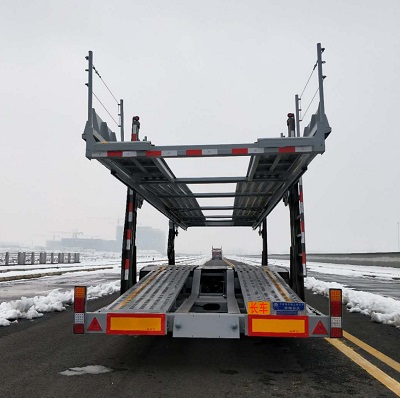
x=95, y=326
x=319, y=328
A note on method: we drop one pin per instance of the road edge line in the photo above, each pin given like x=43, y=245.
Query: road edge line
x=374, y=371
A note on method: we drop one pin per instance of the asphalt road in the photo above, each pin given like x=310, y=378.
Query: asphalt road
x=34, y=353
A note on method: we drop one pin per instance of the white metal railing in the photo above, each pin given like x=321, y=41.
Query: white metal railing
x=23, y=258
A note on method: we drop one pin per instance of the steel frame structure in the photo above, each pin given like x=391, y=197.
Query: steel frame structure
x=274, y=171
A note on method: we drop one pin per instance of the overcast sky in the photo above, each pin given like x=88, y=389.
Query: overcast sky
x=200, y=72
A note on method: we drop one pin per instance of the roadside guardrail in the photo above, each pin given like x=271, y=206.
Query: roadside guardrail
x=24, y=258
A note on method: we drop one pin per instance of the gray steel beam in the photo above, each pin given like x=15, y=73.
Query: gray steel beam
x=232, y=304
x=299, y=170
x=211, y=180
x=215, y=195
x=267, y=145
x=253, y=167
x=187, y=305
x=221, y=216
x=151, y=198
x=179, y=209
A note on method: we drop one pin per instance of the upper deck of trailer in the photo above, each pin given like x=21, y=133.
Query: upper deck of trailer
x=275, y=165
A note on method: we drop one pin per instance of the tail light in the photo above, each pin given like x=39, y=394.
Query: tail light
x=335, y=312
x=79, y=309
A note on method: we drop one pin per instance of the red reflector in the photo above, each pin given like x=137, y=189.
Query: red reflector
x=336, y=332
x=95, y=326
x=79, y=305
x=286, y=149
x=240, y=151
x=194, y=152
x=320, y=329
x=79, y=328
x=153, y=153
x=114, y=154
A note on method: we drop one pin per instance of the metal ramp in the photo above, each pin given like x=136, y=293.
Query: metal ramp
x=156, y=293
x=262, y=285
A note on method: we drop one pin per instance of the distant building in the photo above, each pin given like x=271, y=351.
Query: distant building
x=147, y=238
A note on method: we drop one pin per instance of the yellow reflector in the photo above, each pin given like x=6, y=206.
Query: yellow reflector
x=153, y=324
x=278, y=326
x=80, y=292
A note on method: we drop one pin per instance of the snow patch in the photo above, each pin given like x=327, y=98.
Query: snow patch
x=380, y=309
x=34, y=307
x=91, y=369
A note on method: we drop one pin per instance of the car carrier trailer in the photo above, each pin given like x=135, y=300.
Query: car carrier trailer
x=216, y=253
x=222, y=298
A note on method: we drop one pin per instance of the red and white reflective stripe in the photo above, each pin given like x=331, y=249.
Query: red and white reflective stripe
x=240, y=151
x=245, y=151
x=134, y=137
x=169, y=153
x=129, y=154
x=303, y=149
x=302, y=229
x=128, y=235
x=126, y=276
x=295, y=149
x=210, y=151
x=255, y=150
x=130, y=212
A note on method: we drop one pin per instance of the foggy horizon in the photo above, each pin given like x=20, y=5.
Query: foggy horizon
x=200, y=73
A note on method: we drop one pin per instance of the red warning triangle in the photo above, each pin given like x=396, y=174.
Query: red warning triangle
x=319, y=328
x=95, y=326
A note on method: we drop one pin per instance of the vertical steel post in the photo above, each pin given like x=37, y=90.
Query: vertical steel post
x=264, y=258
x=297, y=105
x=320, y=50
x=295, y=202
x=90, y=88
x=128, y=264
x=7, y=259
x=302, y=229
x=296, y=279
x=171, y=243
x=121, y=118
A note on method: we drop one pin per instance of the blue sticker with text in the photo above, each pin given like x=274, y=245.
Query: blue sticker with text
x=287, y=308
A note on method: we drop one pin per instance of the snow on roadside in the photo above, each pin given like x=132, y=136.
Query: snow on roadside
x=381, y=309
x=34, y=307
x=91, y=369
x=57, y=300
